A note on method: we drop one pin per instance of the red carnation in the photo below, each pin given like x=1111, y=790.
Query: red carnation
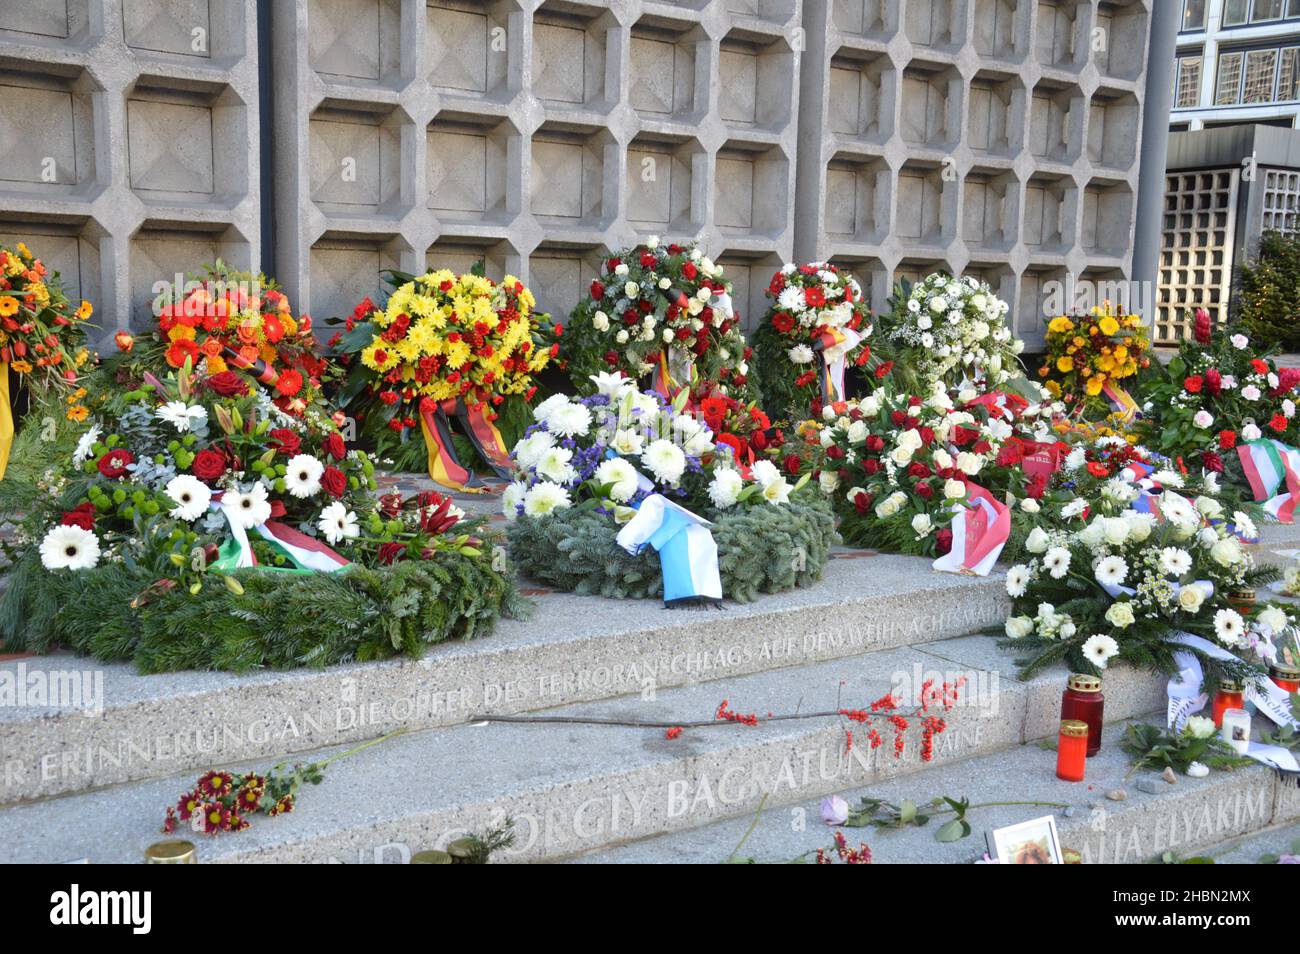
x=286, y=441
x=228, y=384
x=1278, y=423
x=209, y=464
x=1227, y=440
x=334, y=481
x=113, y=464
x=1192, y=385
x=334, y=446
x=1260, y=366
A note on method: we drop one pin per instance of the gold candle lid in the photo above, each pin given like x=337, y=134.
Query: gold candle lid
x=174, y=852
x=431, y=858
x=1071, y=856
x=1074, y=728
x=462, y=849
x=1081, y=682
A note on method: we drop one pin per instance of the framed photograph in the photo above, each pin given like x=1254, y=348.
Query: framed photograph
x=1034, y=842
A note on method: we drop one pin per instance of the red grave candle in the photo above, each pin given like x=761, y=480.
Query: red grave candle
x=1285, y=677
x=1229, y=696
x=1083, y=700
x=1072, y=750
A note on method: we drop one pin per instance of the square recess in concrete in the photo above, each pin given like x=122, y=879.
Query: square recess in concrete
x=43, y=18
x=1056, y=122
x=1107, y=217
x=663, y=82
x=46, y=133
x=996, y=114
x=568, y=175
x=468, y=162
x=1051, y=208
x=939, y=24
x=877, y=19
x=991, y=209
x=660, y=183
x=355, y=41
x=858, y=193
x=931, y=113
x=356, y=158
x=1061, y=37
x=1002, y=29
x=183, y=27
x=70, y=249
x=346, y=268
x=468, y=46
x=570, y=47
x=750, y=191
x=1124, y=26
x=1039, y=285
x=925, y=208
x=749, y=275
x=1114, y=127
x=170, y=144
x=862, y=90
x=460, y=255
x=754, y=74
x=560, y=275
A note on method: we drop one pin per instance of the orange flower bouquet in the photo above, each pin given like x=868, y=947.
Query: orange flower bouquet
x=1089, y=355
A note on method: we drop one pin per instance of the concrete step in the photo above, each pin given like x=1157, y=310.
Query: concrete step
x=1251, y=850
x=573, y=788
x=1183, y=818
x=574, y=649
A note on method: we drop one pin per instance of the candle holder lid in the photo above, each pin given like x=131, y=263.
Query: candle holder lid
x=1082, y=682
x=1284, y=670
x=175, y=852
x=1230, y=685
x=432, y=857
x=1074, y=728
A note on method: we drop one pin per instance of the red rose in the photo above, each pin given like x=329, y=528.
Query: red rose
x=335, y=447
x=83, y=517
x=943, y=541
x=286, y=441
x=924, y=490
x=875, y=443
x=647, y=260
x=792, y=464
x=1037, y=486
x=597, y=290
x=689, y=271
x=113, y=464
x=228, y=384
x=871, y=466
x=862, y=502
x=1227, y=440
x=919, y=470
x=334, y=481
x=209, y=464
x=1193, y=384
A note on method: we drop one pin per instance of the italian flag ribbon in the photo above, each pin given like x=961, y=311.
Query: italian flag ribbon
x=688, y=554
x=832, y=346
x=980, y=530
x=307, y=554
x=444, y=464
x=6, y=419
x=1268, y=464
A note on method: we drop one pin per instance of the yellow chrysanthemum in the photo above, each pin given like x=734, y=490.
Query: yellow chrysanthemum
x=1095, y=384
x=1065, y=364
x=1108, y=326
x=1060, y=325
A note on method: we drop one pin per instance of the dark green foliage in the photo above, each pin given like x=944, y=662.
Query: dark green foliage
x=1268, y=297
x=280, y=620
x=773, y=374
x=761, y=549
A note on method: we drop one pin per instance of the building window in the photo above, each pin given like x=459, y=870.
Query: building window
x=1266, y=10
x=1293, y=9
x=1234, y=12
x=1194, y=14
x=1288, y=75
x=1188, y=92
x=1227, y=91
x=1261, y=76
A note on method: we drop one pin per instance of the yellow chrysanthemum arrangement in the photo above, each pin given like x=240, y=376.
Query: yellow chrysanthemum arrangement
x=1085, y=352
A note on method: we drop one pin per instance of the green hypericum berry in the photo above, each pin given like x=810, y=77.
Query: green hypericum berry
x=119, y=496
x=150, y=508
x=279, y=485
x=189, y=440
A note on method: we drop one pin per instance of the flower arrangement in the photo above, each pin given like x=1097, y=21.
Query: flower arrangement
x=200, y=522
x=1088, y=355
x=1139, y=558
x=443, y=345
x=661, y=310
x=953, y=331
x=895, y=464
x=586, y=465
x=1222, y=393
x=816, y=327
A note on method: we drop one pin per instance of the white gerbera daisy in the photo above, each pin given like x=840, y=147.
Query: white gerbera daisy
x=1175, y=561
x=1017, y=581
x=622, y=477
x=666, y=460
x=724, y=487
x=247, y=509
x=338, y=523
x=1228, y=626
x=190, y=495
x=182, y=416
x=1057, y=562
x=1100, y=648
x=1112, y=571
x=302, y=475
x=544, y=497
x=571, y=420
x=86, y=445
x=69, y=548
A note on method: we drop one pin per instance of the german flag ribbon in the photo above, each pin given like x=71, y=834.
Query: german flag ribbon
x=444, y=466
x=832, y=345
x=6, y=419
x=485, y=437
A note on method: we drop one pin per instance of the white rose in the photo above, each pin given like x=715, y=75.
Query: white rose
x=1120, y=614
x=1030, y=505
x=1190, y=598
x=829, y=480
x=922, y=525
x=631, y=289
x=1018, y=627
x=600, y=321
x=1037, y=541
x=954, y=489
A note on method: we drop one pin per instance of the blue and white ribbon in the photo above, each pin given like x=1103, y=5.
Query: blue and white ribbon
x=688, y=554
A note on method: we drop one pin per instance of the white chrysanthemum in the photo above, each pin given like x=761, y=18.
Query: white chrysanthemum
x=764, y=472
x=302, y=476
x=530, y=450
x=666, y=460
x=554, y=465
x=190, y=495
x=724, y=487
x=1228, y=626
x=247, y=509
x=800, y=354
x=338, y=523
x=791, y=298
x=182, y=416
x=1175, y=561
x=1274, y=618
x=545, y=497
x=1244, y=525
x=1056, y=562
x=1111, y=571
x=621, y=475
x=1017, y=581
x=512, y=497
x=571, y=420
x=69, y=548
x=1099, y=648
x=86, y=445
x=1076, y=459
x=543, y=411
